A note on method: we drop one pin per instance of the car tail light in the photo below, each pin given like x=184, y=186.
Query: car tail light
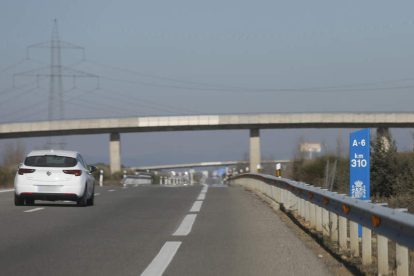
x=75, y=172
x=23, y=171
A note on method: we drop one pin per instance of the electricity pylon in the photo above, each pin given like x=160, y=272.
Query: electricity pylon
x=56, y=72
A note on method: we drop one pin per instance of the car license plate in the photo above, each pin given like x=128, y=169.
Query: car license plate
x=48, y=189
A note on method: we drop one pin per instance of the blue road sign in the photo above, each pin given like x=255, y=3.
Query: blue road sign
x=359, y=155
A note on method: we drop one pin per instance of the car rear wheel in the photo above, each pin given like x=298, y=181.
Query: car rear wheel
x=18, y=201
x=30, y=201
x=82, y=202
x=91, y=201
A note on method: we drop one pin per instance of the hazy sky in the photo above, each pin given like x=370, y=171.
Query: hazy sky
x=209, y=57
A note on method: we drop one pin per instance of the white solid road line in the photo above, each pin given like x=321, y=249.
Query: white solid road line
x=33, y=210
x=162, y=260
x=196, y=206
x=111, y=190
x=186, y=225
x=5, y=191
x=201, y=197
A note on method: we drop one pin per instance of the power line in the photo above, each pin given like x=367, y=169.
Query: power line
x=12, y=66
x=164, y=86
x=134, y=104
x=160, y=77
x=238, y=37
x=25, y=93
x=149, y=102
x=88, y=92
x=376, y=89
x=335, y=87
x=70, y=100
x=322, y=89
x=48, y=64
x=12, y=88
x=119, y=100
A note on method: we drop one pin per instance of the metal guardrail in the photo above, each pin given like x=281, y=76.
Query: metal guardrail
x=391, y=223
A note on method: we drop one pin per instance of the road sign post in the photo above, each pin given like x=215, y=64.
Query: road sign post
x=101, y=178
x=278, y=169
x=359, y=165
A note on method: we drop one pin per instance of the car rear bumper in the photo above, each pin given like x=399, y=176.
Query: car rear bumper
x=49, y=196
x=77, y=190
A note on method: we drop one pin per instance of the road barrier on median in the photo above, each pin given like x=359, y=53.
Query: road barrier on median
x=329, y=213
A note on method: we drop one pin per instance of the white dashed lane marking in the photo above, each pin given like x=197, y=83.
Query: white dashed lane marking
x=33, y=210
x=168, y=251
x=96, y=194
x=162, y=260
x=196, y=206
x=111, y=190
x=5, y=191
x=186, y=225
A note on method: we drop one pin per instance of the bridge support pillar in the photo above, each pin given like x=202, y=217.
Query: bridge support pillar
x=115, y=152
x=191, y=176
x=254, y=149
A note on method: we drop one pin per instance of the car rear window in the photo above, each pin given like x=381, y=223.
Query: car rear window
x=50, y=161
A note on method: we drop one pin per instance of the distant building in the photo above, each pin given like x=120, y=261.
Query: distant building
x=310, y=148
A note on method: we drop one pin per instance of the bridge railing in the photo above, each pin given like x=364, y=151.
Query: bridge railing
x=330, y=213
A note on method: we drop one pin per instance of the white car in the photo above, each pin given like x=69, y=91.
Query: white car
x=54, y=175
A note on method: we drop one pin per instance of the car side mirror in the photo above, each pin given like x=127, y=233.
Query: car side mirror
x=93, y=169
x=20, y=165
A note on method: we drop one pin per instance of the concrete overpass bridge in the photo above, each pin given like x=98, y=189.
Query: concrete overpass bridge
x=254, y=122
x=205, y=164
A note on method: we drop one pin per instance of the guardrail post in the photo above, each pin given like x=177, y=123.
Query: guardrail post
x=343, y=233
x=382, y=255
x=402, y=260
x=270, y=190
x=290, y=197
x=273, y=192
x=303, y=206
x=325, y=222
x=333, y=226
x=296, y=202
x=307, y=211
x=277, y=194
x=366, y=246
x=318, y=214
x=312, y=215
x=282, y=194
x=354, y=238
x=287, y=200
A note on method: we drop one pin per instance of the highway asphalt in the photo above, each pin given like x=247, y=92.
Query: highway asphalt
x=152, y=230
